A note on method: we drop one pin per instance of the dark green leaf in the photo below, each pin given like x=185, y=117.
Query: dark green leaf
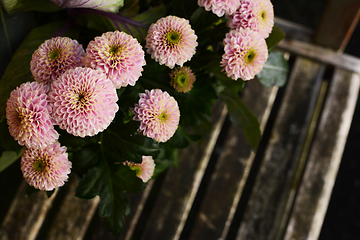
x=125, y=144
x=7, y=158
x=275, y=37
x=85, y=158
x=178, y=140
x=106, y=6
x=274, y=71
x=183, y=8
x=240, y=115
x=167, y=157
x=12, y=6
x=18, y=70
x=135, y=24
x=110, y=182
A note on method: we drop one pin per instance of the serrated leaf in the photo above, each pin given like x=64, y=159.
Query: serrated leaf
x=18, y=70
x=274, y=72
x=276, y=35
x=135, y=24
x=12, y=6
x=102, y=5
x=7, y=158
x=240, y=115
x=110, y=182
x=126, y=144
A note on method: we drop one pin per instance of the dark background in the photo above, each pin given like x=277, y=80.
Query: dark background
x=342, y=221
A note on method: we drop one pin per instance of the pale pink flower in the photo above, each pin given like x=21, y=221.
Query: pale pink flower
x=171, y=41
x=220, y=7
x=54, y=57
x=182, y=79
x=145, y=169
x=245, y=54
x=28, y=116
x=258, y=15
x=158, y=114
x=83, y=101
x=118, y=55
x=45, y=168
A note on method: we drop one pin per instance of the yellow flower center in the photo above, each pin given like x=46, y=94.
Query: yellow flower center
x=54, y=54
x=115, y=50
x=163, y=117
x=39, y=165
x=173, y=37
x=250, y=56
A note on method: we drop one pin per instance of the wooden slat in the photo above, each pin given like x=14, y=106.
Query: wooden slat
x=321, y=54
x=267, y=202
x=180, y=187
x=338, y=23
x=73, y=217
x=26, y=215
x=324, y=159
x=295, y=31
x=232, y=169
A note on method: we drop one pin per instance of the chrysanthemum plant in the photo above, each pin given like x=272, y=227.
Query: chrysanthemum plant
x=110, y=90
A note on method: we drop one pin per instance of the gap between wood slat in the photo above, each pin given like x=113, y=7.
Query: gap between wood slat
x=200, y=172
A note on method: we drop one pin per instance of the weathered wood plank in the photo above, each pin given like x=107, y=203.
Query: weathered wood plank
x=341, y=16
x=321, y=54
x=26, y=215
x=324, y=158
x=180, y=187
x=295, y=31
x=73, y=217
x=267, y=202
x=232, y=169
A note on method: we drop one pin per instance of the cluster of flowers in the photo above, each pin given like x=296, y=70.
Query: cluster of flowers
x=251, y=22
x=76, y=90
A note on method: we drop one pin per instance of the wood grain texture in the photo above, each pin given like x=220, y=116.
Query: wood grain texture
x=232, y=169
x=180, y=186
x=73, y=217
x=321, y=54
x=324, y=158
x=269, y=195
x=26, y=215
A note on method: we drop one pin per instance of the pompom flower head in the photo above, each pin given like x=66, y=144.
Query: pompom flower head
x=145, y=169
x=171, y=41
x=45, y=168
x=220, y=7
x=28, y=116
x=118, y=55
x=258, y=15
x=83, y=101
x=54, y=57
x=245, y=54
x=182, y=79
x=158, y=114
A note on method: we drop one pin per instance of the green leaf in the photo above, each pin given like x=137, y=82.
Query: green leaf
x=240, y=115
x=18, y=70
x=125, y=144
x=183, y=8
x=110, y=182
x=134, y=24
x=106, y=6
x=167, y=157
x=274, y=71
x=12, y=6
x=7, y=158
x=275, y=37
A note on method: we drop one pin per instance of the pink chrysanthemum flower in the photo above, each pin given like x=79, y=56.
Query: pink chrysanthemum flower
x=145, y=169
x=54, y=57
x=182, y=79
x=83, y=101
x=220, y=7
x=118, y=55
x=158, y=114
x=45, y=168
x=171, y=41
x=245, y=54
x=258, y=15
x=28, y=116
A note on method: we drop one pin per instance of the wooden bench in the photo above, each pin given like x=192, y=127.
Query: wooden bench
x=221, y=188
